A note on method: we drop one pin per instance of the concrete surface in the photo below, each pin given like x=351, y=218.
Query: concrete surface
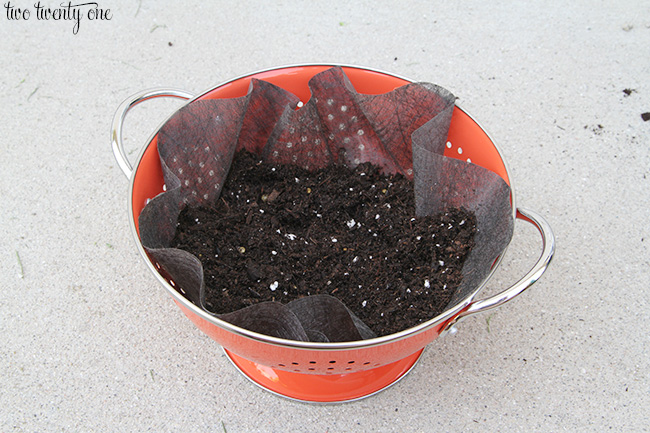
x=91, y=342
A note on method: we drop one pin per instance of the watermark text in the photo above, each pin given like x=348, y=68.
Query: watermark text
x=69, y=12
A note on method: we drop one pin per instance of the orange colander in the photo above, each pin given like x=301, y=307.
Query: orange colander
x=310, y=371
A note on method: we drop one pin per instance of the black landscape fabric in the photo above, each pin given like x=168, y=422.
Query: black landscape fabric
x=403, y=131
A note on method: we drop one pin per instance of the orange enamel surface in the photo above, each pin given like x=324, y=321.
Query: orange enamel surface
x=466, y=134
x=314, y=362
x=323, y=375
x=326, y=387
x=296, y=80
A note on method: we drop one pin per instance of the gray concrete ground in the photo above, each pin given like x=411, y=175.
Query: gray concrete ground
x=91, y=342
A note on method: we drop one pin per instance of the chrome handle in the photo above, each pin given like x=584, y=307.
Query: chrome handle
x=548, y=249
x=120, y=115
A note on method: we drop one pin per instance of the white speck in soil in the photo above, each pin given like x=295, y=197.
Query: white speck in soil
x=364, y=303
x=334, y=240
x=290, y=236
x=441, y=263
x=274, y=285
x=427, y=284
x=351, y=223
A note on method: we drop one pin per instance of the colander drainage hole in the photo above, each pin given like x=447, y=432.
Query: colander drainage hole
x=332, y=362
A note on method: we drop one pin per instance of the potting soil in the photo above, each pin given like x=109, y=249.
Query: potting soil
x=280, y=232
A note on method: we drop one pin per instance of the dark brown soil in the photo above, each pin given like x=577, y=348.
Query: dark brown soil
x=280, y=233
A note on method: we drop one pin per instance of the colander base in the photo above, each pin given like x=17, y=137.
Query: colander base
x=324, y=388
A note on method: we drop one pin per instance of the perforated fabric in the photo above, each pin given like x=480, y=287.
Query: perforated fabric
x=401, y=131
